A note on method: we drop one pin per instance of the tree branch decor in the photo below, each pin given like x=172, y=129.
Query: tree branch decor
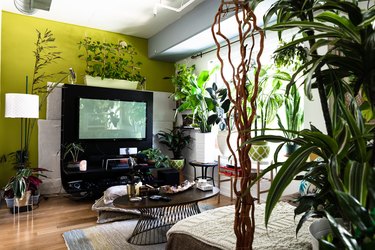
x=238, y=63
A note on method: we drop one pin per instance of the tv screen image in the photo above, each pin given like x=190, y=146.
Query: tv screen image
x=111, y=119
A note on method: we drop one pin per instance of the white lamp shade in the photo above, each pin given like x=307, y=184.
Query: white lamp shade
x=21, y=105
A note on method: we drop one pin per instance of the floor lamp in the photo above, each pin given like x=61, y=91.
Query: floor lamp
x=22, y=106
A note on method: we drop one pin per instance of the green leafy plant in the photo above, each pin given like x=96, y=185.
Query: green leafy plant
x=73, y=149
x=342, y=170
x=110, y=60
x=270, y=94
x=155, y=156
x=192, y=95
x=25, y=179
x=222, y=105
x=175, y=140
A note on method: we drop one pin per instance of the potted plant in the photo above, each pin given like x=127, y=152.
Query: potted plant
x=191, y=94
x=343, y=173
x=106, y=61
x=73, y=150
x=156, y=157
x=176, y=141
x=22, y=186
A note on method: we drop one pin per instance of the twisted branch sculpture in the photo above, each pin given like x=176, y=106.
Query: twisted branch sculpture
x=244, y=223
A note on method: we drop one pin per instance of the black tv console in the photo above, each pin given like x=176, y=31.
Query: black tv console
x=104, y=165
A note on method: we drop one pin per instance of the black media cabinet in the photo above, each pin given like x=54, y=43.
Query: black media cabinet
x=97, y=177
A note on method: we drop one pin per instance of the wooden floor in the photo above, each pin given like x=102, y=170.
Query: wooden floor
x=42, y=228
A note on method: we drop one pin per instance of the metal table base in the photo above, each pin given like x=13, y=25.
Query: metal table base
x=154, y=223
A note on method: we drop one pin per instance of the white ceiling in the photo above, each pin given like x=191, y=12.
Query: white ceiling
x=130, y=17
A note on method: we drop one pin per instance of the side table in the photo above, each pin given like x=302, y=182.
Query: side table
x=204, y=166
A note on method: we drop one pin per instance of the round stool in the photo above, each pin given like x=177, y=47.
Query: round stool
x=204, y=166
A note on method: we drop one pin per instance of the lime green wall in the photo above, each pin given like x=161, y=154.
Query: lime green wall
x=18, y=37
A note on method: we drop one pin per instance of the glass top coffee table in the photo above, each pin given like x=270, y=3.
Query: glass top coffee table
x=158, y=216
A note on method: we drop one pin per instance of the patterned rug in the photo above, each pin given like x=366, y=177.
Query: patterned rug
x=110, y=236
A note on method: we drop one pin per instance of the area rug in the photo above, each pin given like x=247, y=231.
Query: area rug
x=111, y=236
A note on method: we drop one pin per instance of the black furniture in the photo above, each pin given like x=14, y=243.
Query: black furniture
x=204, y=167
x=98, y=118
x=158, y=216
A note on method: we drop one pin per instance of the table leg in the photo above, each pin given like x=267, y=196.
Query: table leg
x=154, y=223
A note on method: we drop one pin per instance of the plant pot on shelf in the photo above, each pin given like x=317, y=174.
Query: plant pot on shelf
x=259, y=151
x=110, y=83
x=179, y=165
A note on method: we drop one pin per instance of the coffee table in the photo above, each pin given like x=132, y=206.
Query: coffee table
x=157, y=217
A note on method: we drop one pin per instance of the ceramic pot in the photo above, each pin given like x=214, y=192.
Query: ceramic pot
x=222, y=142
x=177, y=164
x=259, y=151
x=318, y=229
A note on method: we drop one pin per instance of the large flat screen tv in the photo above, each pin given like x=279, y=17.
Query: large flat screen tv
x=106, y=120
x=112, y=119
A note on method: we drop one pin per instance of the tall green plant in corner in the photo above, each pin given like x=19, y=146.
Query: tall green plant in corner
x=45, y=54
x=346, y=154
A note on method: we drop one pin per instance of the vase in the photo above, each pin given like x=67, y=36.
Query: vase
x=110, y=83
x=222, y=142
x=259, y=151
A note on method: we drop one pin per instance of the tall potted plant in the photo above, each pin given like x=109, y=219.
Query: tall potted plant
x=345, y=167
x=191, y=95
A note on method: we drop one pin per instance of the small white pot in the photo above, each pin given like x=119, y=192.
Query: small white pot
x=320, y=228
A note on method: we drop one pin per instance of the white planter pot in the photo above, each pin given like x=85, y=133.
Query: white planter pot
x=222, y=142
x=110, y=83
x=205, y=147
x=318, y=229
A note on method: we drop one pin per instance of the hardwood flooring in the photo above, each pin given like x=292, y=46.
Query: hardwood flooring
x=42, y=228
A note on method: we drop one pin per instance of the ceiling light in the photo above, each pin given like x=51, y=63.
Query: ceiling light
x=29, y=7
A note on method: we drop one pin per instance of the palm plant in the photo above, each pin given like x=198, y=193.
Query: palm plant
x=345, y=163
